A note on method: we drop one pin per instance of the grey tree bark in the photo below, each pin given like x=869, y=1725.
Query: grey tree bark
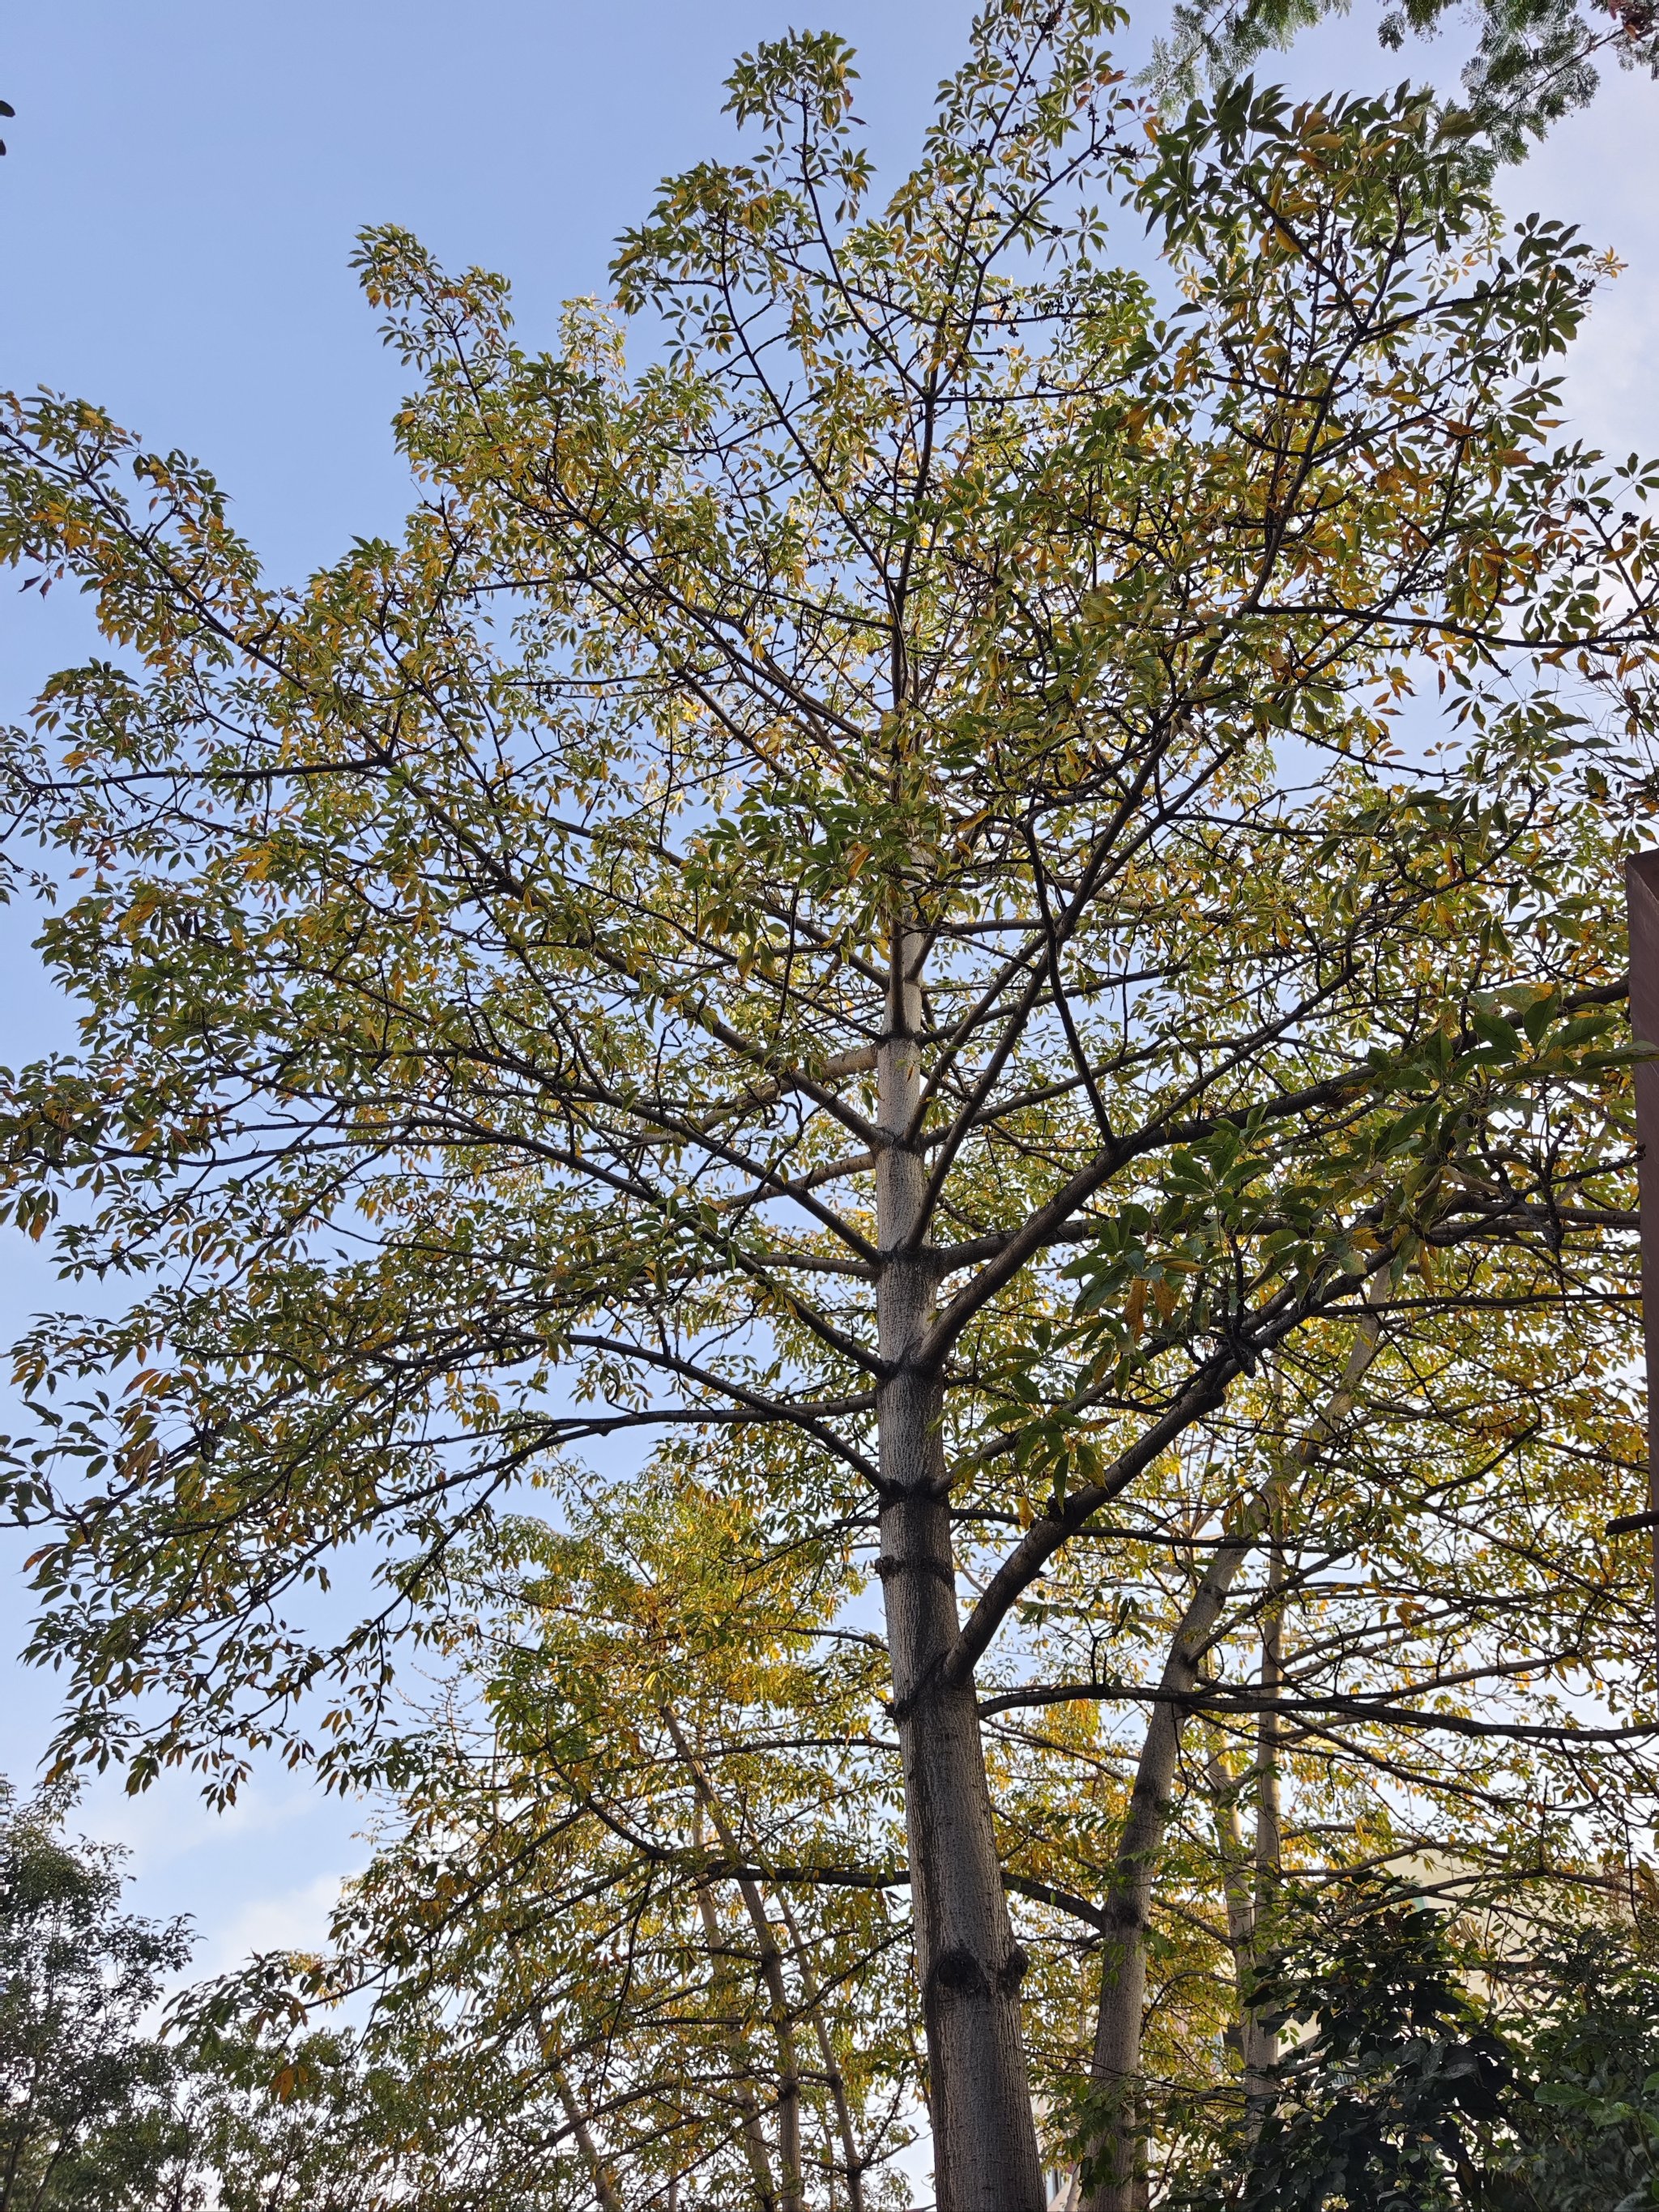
x=599, y=2172
x=1116, y=2063
x=771, y=1968
x=968, y=1963
x=853, y=2161
x=1241, y=1879
x=751, y=2130
x=1269, y=1816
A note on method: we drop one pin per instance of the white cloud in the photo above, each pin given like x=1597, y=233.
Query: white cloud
x=1600, y=170
x=286, y=1920
x=170, y=1820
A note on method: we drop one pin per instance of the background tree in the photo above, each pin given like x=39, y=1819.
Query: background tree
x=644, y=1851
x=1407, y=2088
x=554, y=1880
x=1588, y=2133
x=1345, y=1689
x=1534, y=61
x=898, y=878
x=109, y=2104
x=282, y=2116
x=88, y=2119
x=1397, y=2093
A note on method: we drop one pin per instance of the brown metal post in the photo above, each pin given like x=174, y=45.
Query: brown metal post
x=1641, y=896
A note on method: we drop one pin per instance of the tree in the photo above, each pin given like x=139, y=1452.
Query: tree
x=642, y=1853
x=1588, y=2133
x=286, y=2120
x=1535, y=60
x=1399, y=2086
x=1403, y=2090
x=554, y=1879
x=894, y=880
x=1352, y=1682
x=88, y=2121
x=102, y=2109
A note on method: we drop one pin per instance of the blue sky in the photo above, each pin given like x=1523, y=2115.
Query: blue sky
x=177, y=213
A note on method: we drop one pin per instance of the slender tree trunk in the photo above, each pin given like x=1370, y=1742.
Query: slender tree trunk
x=789, y=2127
x=1258, y=2044
x=599, y=2172
x=836, y=2081
x=968, y=1963
x=1269, y=1815
x=754, y=2148
x=1116, y=2065
x=1235, y=1863
x=604, y=2186
x=727, y=2008
x=771, y=1968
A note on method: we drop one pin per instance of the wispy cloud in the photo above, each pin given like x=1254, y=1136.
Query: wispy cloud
x=1600, y=170
x=286, y=1920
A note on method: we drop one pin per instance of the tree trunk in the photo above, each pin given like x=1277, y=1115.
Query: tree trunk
x=752, y=2132
x=1258, y=2043
x=1116, y=2065
x=604, y=2187
x=771, y=1969
x=727, y=2012
x=1119, y=2154
x=1269, y=1818
x=853, y=2161
x=985, y=2148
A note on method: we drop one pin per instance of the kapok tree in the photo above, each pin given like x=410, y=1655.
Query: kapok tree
x=970, y=773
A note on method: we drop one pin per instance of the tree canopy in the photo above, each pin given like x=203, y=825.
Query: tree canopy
x=1532, y=62
x=88, y=2121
